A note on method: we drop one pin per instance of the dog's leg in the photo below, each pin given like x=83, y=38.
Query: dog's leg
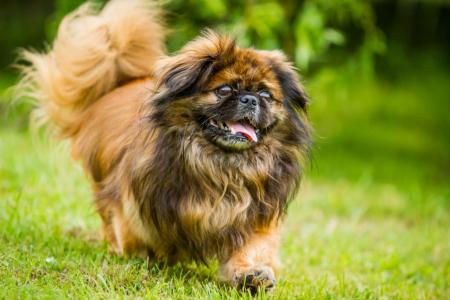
x=254, y=265
x=128, y=243
x=119, y=234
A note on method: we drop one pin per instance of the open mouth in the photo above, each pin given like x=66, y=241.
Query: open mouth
x=233, y=135
x=240, y=129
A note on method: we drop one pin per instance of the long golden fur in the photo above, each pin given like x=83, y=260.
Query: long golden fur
x=182, y=165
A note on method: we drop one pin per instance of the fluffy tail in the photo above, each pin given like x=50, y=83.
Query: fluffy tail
x=92, y=54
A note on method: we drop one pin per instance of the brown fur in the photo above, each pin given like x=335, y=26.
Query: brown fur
x=163, y=186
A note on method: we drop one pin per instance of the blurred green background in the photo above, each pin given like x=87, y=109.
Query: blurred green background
x=374, y=212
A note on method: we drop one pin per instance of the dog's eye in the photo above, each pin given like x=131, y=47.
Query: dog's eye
x=224, y=90
x=266, y=95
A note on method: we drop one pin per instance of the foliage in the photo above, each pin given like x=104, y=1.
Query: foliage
x=310, y=31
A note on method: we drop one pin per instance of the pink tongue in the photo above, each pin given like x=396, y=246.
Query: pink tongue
x=247, y=130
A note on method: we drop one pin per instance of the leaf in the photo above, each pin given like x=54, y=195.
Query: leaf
x=333, y=36
x=265, y=18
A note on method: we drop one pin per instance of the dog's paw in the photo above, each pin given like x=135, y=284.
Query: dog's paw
x=260, y=278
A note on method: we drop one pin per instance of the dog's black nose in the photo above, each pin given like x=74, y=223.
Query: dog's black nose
x=249, y=100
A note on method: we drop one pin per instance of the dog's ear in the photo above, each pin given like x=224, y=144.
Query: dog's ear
x=185, y=73
x=287, y=76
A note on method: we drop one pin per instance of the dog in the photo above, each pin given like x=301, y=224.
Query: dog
x=192, y=156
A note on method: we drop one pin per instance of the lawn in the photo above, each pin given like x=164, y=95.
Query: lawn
x=371, y=221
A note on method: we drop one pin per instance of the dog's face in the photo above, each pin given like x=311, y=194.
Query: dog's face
x=235, y=97
x=241, y=104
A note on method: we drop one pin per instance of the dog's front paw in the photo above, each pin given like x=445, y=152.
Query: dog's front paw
x=260, y=278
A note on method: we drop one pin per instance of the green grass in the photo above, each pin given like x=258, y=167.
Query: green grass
x=371, y=222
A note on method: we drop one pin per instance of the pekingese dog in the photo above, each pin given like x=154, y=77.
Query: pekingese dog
x=192, y=156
